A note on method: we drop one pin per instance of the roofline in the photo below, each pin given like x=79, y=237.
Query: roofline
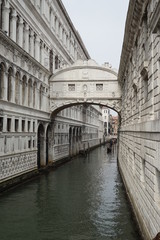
x=134, y=17
x=61, y=5
x=74, y=67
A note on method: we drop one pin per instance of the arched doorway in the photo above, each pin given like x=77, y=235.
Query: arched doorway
x=49, y=148
x=40, y=146
x=70, y=141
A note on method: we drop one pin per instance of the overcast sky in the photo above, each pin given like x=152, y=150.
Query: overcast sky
x=101, y=25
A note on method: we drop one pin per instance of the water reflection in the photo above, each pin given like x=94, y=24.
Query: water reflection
x=83, y=199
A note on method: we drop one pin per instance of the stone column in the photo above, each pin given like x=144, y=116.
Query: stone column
x=5, y=18
x=61, y=32
x=37, y=97
x=5, y=123
x=54, y=54
x=52, y=19
x=30, y=94
x=13, y=25
x=20, y=33
x=26, y=38
x=32, y=43
x=57, y=26
x=42, y=10
x=37, y=48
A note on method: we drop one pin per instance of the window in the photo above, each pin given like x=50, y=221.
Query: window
x=9, y=92
x=29, y=125
x=23, y=125
x=143, y=171
x=99, y=87
x=2, y=71
x=135, y=96
x=145, y=82
x=9, y=124
x=71, y=87
x=24, y=89
x=51, y=61
x=145, y=88
x=1, y=124
x=16, y=125
x=29, y=143
x=56, y=62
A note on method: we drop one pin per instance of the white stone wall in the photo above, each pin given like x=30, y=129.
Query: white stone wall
x=85, y=123
x=36, y=38
x=139, y=137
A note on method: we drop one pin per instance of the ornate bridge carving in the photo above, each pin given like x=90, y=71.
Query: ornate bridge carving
x=85, y=82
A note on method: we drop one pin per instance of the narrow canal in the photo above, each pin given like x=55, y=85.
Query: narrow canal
x=82, y=200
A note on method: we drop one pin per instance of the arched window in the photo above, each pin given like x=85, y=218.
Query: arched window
x=24, y=81
x=17, y=88
x=40, y=96
x=2, y=71
x=56, y=62
x=29, y=92
x=135, y=92
x=51, y=61
x=9, y=90
x=10, y=19
x=145, y=83
x=34, y=93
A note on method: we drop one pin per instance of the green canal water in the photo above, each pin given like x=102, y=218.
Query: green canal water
x=81, y=200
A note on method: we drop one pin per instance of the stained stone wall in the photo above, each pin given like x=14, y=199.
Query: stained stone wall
x=139, y=136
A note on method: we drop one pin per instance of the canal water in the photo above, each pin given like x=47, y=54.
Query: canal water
x=81, y=200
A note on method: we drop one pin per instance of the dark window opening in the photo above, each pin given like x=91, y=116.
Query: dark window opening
x=16, y=125
x=9, y=124
x=1, y=124
x=29, y=125
x=23, y=125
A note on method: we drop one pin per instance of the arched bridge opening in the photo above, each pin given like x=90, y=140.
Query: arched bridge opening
x=83, y=86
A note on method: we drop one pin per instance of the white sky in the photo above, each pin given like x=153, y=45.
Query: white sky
x=101, y=25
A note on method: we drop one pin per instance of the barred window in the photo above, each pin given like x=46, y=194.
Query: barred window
x=71, y=87
x=99, y=87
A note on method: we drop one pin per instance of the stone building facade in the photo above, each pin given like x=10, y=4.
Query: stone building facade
x=139, y=136
x=106, y=122
x=37, y=38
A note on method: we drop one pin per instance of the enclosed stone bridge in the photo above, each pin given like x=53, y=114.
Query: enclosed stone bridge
x=85, y=82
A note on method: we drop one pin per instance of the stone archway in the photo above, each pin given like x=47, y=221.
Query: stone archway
x=40, y=146
x=85, y=82
x=49, y=145
x=70, y=141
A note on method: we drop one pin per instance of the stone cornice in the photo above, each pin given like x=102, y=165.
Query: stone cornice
x=133, y=22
